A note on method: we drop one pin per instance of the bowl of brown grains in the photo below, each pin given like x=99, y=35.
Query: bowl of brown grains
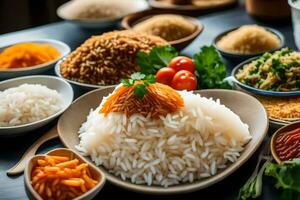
x=106, y=59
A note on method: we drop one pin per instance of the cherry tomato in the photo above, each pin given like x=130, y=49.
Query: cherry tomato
x=165, y=75
x=182, y=63
x=184, y=80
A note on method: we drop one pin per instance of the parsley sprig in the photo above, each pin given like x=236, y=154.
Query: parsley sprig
x=141, y=88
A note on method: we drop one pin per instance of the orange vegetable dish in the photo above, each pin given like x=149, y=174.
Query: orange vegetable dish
x=27, y=55
x=159, y=101
x=57, y=177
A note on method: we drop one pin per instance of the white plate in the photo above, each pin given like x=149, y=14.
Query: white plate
x=61, y=86
x=63, y=49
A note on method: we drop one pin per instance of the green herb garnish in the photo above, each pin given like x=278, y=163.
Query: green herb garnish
x=141, y=88
x=210, y=69
x=157, y=58
x=287, y=176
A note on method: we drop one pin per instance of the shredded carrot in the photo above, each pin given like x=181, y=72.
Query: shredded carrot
x=159, y=101
x=27, y=55
x=59, y=177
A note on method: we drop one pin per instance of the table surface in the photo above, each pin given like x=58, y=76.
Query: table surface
x=12, y=148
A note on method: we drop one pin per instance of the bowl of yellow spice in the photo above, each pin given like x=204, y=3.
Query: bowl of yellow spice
x=30, y=57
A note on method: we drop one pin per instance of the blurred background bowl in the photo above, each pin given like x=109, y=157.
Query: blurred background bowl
x=138, y=5
x=238, y=57
x=130, y=20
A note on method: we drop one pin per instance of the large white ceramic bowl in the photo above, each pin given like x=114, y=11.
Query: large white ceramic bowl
x=52, y=82
x=247, y=107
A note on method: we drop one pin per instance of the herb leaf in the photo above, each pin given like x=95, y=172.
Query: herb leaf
x=287, y=175
x=141, y=88
x=210, y=69
x=140, y=91
x=157, y=58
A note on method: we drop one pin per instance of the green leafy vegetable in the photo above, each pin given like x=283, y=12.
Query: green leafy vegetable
x=253, y=187
x=210, y=69
x=287, y=176
x=140, y=88
x=158, y=57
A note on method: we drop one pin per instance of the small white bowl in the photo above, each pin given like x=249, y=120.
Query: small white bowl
x=52, y=82
x=63, y=49
x=137, y=6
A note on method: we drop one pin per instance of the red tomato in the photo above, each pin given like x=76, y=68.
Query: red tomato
x=165, y=75
x=184, y=80
x=182, y=63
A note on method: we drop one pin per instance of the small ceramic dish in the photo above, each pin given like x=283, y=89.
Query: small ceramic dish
x=239, y=56
x=63, y=49
x=95, y=173
x=81, y=86
x=136, y=6
x=52, y=82
x=286, y=128
x=253, y=114
x=193, y=6
x=131, y=20
x=253, y=90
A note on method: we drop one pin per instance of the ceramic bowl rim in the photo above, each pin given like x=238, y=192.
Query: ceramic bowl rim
x=64, y=46
x=272, y=143
x=100, y=184
x=49, y=117
x=188, y=187
x=279, y=35
x=256, y=90
x=199, y=27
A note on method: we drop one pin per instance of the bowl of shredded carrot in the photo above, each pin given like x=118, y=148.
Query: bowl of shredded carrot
x=62, y=174
x=30, y=57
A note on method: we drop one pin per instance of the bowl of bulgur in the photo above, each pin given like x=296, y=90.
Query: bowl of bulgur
x=281, y=110
x=178, y=30
x=106, y=59
x=248, y=41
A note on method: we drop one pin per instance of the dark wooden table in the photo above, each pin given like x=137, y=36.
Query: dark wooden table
x=11, y=149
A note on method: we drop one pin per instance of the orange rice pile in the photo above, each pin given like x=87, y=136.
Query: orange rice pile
x=27, y=55
x=159, y=101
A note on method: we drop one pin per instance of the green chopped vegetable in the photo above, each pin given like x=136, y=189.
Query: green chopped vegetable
x=141, y=88
x=287, y=177
x=253, y=187
x=210, y=69
x=157, y=58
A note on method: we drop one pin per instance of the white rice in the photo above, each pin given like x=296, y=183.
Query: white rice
x=197, y=142
x=27, y=103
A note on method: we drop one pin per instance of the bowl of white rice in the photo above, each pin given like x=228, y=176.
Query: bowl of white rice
x=30, y=102
x=200, y=144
